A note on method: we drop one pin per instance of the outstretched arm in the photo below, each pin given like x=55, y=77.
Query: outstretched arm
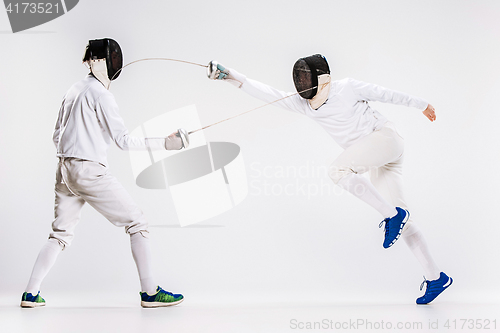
x=112, y=123
x=364, y=91
x=268, y=94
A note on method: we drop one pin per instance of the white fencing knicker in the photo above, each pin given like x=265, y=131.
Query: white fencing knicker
x=381, y=154
x=79, y=181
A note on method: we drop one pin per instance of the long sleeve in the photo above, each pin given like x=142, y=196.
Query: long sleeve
x=113, y=124
x=269, y=94
x=372, y=92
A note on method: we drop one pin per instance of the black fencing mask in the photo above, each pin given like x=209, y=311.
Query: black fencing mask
x=305, y=74
x=105, y=59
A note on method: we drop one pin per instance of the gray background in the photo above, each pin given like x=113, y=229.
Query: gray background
x=312, y=242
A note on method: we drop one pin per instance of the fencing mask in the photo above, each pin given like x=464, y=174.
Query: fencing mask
x=105, y=59
x=311, y=76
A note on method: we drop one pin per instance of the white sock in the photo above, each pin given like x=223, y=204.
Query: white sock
x=44, y=262
x=417, y=244
x=141, y=251
x=362, y=188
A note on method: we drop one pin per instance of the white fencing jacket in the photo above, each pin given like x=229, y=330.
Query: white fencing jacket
x=346, y=115
x=88, y=122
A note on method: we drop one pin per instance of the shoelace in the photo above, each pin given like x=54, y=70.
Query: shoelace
x=432, y=286
x=166, y=292
x=425, y=282
x=166, y=296
x=386, y=221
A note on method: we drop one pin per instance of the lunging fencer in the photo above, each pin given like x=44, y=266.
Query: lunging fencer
x=87, y=123
x=371, y=144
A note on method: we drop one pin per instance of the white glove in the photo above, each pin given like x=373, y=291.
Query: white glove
x=177, y=140
x=216, y=71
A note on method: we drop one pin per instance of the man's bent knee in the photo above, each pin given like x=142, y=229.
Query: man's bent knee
x=337, y=173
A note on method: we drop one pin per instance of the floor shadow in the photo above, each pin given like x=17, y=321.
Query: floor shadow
x=195, y=226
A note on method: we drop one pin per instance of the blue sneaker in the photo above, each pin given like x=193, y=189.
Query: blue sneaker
x=434, y=288
x=160, y=298
x=32, y=301
x=394, y=226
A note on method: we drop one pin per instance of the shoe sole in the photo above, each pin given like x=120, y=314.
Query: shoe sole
x=403, y=223
x=27, y=304
x=159, y=304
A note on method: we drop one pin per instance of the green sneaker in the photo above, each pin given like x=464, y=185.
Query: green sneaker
x=160, y=298
x=32, y=301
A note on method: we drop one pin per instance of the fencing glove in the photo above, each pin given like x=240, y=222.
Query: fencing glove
x=216, y=71
x=177, y=140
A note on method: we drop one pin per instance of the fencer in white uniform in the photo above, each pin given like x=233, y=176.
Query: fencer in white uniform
x=371, y=144
x=88, y=122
